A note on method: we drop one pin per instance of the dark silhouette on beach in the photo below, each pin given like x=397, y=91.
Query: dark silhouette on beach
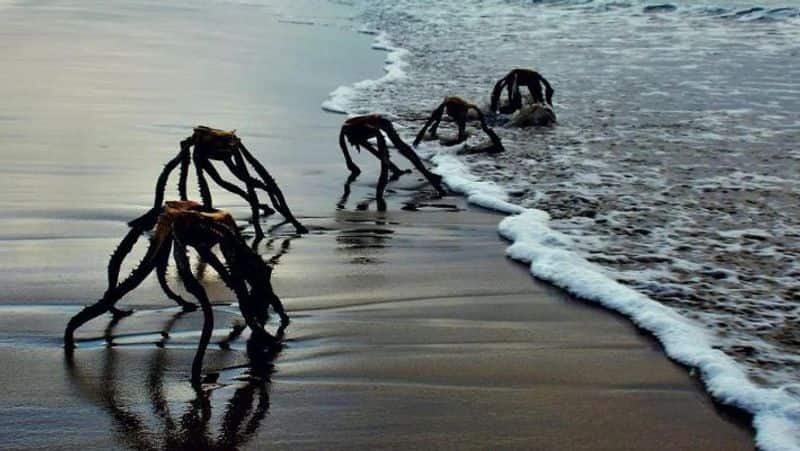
x=512, y=82
x=359, y=130
x=211, y=144
x=183, y=224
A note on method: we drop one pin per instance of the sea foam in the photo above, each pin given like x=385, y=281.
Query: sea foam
x=341, y=100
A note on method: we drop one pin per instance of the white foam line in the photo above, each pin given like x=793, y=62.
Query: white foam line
x=776, y=411
x=341, y=99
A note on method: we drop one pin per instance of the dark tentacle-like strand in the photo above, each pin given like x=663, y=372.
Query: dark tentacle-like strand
x=113, y=294
x=224, y=273
x=246, y=265
x=345, y=192
x=256, y=183
x=161, y=183
x=151, y=216
x=515, y=96
x=161, y=272
x=354, y=169
x=205, y=191
x=284, y=248
x=237, y=411
x=434, y=130
x=512, y=87
x=132, y=428
x=396, y=172
x=272, y=186
x=251, y=193
x=412, y=156
x=486, y=129
x=150, y=260
x=186, y=159
x=461, y=123
x=498, y=89
x=233, y=278
x=436, y=116
x=217, y=178
x=383, y=155
x=118, y=256
x=535, y=90
x=548, y=90
x=194, y=287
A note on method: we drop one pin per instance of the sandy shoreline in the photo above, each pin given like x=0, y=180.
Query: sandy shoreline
x=410, y=328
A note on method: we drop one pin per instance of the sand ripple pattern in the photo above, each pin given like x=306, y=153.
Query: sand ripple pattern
x=675, y=164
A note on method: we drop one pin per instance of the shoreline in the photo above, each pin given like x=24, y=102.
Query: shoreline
x=549, y=257
x=410, y=329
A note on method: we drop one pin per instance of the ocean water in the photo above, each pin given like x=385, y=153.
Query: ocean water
x=669, y=189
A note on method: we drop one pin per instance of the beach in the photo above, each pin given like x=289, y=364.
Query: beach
x=409, y=330
x=410, y=327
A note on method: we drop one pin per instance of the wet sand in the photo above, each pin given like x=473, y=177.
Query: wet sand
x=410, y=328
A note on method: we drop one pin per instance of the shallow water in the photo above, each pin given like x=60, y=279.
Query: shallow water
x=674, y=165
x=84, y=130
x=96, y=97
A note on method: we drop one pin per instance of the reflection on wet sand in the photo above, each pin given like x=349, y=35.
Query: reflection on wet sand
x=345, y=192
x=195, y=427
x=364, y=204
x=366, y=234
x=413, y=195
x=269, y=245
x=364, y=238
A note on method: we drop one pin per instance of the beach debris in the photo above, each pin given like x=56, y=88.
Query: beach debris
x=207, y=145
x=458, y=109
x=512, y=82
x=179, y=225
x=536, y=115
x=358, y=130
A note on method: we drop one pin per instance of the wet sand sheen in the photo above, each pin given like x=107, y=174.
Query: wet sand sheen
x=410, y=328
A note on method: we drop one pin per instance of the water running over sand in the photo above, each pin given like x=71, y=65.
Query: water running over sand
x=672, y=176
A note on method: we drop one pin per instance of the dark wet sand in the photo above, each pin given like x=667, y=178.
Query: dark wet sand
x=410, y=328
